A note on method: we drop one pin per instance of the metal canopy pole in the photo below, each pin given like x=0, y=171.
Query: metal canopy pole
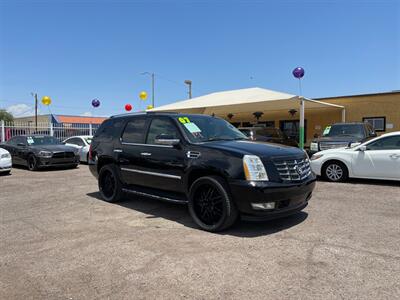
x=301, y=129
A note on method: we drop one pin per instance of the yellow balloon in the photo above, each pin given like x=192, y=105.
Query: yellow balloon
x=46, y=100
x=149, y=106
x=143, y=95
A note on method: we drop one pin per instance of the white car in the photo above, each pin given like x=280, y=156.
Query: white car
x=5, y=161
x=378, y=158
x=82, y=143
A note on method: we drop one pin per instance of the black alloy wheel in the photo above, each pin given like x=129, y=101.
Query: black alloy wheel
x=211, y=205
x=109, y=185
x=32, y=163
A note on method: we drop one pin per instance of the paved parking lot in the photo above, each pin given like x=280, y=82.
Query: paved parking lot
x=60, y=241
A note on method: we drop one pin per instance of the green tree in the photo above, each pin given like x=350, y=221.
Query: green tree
x=6, y=116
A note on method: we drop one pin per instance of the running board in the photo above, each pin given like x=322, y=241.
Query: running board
x=168, y=199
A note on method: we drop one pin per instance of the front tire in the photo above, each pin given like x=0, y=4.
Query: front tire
x=32, y=163
x=211, y=205
x=110, y=186
x=335, y=171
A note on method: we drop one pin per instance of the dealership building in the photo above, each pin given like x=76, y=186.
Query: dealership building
x=247, y=107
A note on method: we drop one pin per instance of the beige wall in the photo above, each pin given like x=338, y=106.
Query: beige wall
x=357, y=108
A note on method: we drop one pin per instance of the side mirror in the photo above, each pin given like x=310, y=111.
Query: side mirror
x=362, y=148
x=373, y=134
x=166, y=139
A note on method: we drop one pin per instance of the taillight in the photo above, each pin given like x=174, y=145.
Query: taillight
x=90, y=152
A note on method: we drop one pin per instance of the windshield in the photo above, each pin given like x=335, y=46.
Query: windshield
x=206, y=128
x=344, y=130
x=88, y=140
x=42, y=140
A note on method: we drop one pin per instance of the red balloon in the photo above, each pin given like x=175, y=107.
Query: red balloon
x=128, y=107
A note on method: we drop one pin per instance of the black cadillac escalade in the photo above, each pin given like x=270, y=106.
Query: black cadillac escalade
x=202, y=161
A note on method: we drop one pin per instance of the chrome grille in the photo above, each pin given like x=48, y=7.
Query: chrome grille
x=332, y=145
x=294, y=169
x=63, y=155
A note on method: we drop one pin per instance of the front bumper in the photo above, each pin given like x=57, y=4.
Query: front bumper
x=289, y=198
x=55, y=162
x=5, y=165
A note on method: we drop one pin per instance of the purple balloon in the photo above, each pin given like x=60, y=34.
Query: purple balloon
x=298, y=72
x=95, y=103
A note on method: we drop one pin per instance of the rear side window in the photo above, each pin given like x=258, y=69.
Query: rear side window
x=105, y=129
x=134, y=131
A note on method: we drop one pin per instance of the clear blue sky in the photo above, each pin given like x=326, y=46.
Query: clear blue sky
x=75, y=51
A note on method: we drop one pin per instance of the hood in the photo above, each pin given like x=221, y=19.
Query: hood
x=3, y=151
x=261, y=149
x=53, y=148
x=347, y=139
x=337, y=150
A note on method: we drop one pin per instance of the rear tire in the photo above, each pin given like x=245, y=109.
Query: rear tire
x=211, y=205
x=110, y=186
x=335, y=171
x=32, y=163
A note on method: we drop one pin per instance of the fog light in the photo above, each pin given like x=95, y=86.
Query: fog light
x=263, y=206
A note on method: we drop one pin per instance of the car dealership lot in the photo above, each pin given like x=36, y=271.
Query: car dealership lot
x=59, y=241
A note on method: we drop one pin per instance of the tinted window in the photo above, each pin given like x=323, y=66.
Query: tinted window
x=13, y=141
x=134, y=131
x=75, y=141
x=42, y=140
x=269, y=132
x=346, y=130
x=247, y=132
x=161, y=126
x=388, y=143
x=207, y=128
x=105, y=129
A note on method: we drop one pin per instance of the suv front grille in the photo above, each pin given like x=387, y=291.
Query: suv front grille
x=294, y=169
x=332, y=145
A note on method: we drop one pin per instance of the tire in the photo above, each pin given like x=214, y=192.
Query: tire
x=335, y=171
x=110, y=186
x=32, y=163
x=6, y=173
x=211, y=205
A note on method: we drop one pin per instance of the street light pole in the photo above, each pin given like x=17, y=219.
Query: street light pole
x=189, y=83
x=36, y=108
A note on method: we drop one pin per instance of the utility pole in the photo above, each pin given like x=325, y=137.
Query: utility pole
x=189, y=83
x=36, y=108
x=152, y=75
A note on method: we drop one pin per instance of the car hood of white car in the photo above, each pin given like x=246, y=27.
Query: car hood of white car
x=336, y=150
x=3, y=151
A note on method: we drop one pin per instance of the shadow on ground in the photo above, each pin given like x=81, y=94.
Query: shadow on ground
x=179, y=213
x=366, y=182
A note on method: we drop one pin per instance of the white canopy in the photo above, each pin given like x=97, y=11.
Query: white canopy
x=242, y=100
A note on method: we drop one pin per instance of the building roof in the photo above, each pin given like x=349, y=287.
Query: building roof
x=360, y=95
x=79, y=119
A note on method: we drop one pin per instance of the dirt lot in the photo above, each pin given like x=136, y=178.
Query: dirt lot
x=59, y=241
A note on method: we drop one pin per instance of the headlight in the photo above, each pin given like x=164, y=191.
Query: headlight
x=5, y=155
x=316, y=156
x=254, y=169
x=45, y=154
x=313, y=146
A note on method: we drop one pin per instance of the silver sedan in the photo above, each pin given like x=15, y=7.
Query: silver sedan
x=82, y=143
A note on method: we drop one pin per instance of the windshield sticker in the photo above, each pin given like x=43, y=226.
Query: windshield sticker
x=184, y=120
x=30, y=140
x=327, y=129
x=193, y=128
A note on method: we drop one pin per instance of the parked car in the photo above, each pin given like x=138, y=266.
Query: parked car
x=202, y=161
x=268, y=134
x=36, y=151
x=378, y=158
x=82, y=143
x=5, y=162
x=342, y=135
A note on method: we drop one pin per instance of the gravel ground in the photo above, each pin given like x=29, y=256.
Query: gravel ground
x=58, y=240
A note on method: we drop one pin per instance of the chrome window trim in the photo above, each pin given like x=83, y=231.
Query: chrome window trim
x=151, y=173
x=148, y=145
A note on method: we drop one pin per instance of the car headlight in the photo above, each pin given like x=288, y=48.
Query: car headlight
x=45, y=154
x=313, y=146
x=316, y=156
x=5, y=155
x=254, y=169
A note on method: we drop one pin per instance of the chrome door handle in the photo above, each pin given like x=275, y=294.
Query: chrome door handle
x=118, y=150
x=145, y=154
x=395, y=155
